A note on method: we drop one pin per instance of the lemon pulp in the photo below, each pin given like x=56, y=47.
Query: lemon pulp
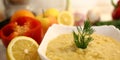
x=23, y=48
x=66, y=18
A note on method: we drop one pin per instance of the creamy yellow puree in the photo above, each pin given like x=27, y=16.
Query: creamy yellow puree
x=101, y=48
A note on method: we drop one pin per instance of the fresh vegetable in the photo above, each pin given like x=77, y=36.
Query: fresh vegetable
x=115, y=23
x=79, y=18
x=116, y=14
x=93, y=16
x=83, y=37
x=22, y=26
x=116, y=11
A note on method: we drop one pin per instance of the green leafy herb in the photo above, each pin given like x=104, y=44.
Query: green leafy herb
x=83, y=37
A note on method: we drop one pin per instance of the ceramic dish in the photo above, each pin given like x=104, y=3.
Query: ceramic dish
x=56, y=30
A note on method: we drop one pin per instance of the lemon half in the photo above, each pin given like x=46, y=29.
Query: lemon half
x=22, y=48
x=66, y=18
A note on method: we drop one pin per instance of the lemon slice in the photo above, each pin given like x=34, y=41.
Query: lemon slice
x=22, y=48
x=66, y=18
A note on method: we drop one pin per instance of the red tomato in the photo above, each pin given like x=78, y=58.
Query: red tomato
x=23, y=26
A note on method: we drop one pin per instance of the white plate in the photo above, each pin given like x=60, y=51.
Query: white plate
x=56, y=30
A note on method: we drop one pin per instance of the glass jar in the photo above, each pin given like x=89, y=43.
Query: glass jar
x=12, y=5
x=2, y=11
x=45, y=4
x=33, y=5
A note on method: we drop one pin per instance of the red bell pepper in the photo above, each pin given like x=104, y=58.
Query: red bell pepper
x=116, y=11
x=23, y=26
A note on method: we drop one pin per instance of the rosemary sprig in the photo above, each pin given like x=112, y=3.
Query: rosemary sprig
x=83, y=37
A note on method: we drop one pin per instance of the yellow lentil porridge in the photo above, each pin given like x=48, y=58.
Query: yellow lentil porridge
x=101, y=48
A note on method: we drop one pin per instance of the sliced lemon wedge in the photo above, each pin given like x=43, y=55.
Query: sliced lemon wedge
x=66, y=18
x=22, y=48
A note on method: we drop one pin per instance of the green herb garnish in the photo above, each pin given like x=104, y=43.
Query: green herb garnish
x=83, y=37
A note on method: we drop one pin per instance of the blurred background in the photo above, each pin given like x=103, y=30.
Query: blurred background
x=104, y=7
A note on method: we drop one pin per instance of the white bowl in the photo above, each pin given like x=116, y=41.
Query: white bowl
x=56, y=30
